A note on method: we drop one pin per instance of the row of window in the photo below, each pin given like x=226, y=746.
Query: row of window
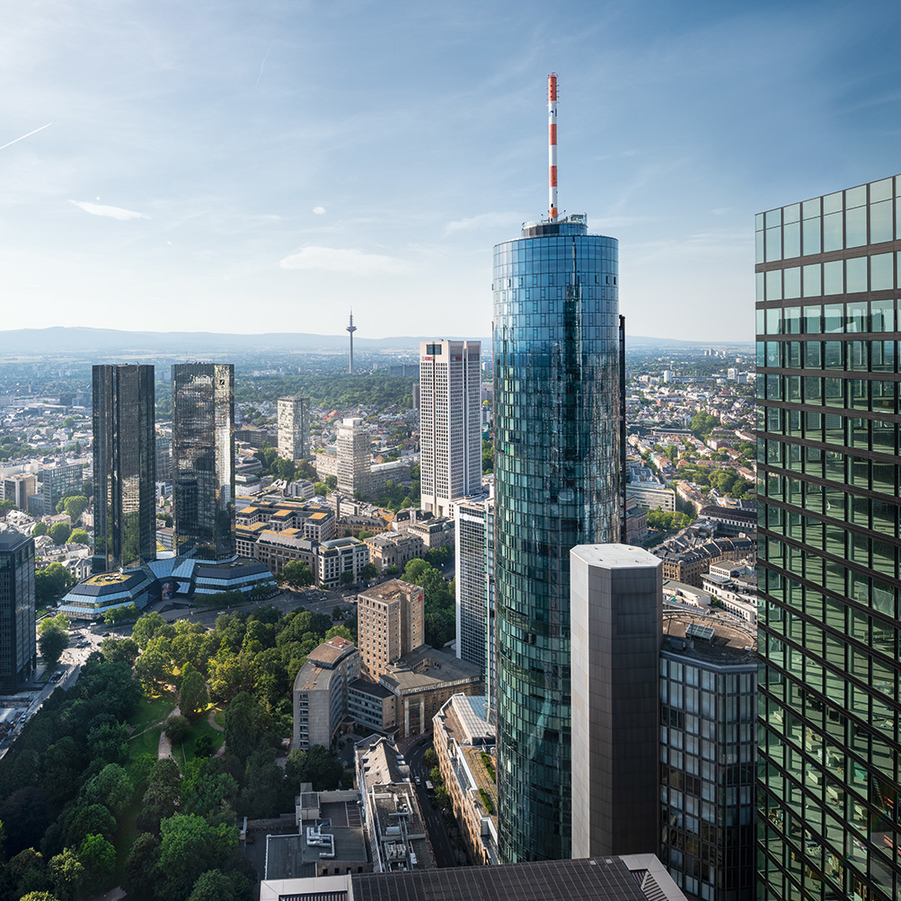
x=828, y=319
x=878, y=435
x=836, y=466
x=847, y=355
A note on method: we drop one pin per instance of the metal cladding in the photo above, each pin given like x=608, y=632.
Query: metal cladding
x=552, y=143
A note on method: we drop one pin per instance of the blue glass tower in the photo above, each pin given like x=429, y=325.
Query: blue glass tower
x=557, y=485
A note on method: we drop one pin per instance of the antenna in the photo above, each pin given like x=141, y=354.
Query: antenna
x=552, y=143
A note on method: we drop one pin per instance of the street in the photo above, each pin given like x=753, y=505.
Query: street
x=445, y=856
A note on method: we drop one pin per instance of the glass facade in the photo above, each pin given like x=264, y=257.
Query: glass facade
x=18, y=646
x=557, y=485
x=124, y=467
x=203, y=459
x=829, y=550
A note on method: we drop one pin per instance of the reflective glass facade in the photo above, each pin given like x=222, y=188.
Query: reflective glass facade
x=203, y=459
x=18, y=646
x=124, y=467
x=829, y=549
x=557, y=484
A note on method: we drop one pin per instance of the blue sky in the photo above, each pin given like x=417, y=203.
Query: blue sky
x=263, y=166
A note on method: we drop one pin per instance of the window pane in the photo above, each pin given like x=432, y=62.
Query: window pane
x=855, y=197
x=856, y=227
x=773, y=244
x=812, y=235
x=774, y=284
x=792, y=282
x=832, y=232
x=882, y=316
x=832, y=203
x=791, y=235
x=813, y=280
x=881, y=222
x=880, y=190
x=813, y=324
x=856, y=273
x=834, y=318
x=832, y=278
x=856, y=317
x=882, y=275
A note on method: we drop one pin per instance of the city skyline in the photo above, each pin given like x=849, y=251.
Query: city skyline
x=193, y=161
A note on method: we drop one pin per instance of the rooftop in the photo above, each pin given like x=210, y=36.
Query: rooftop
x=331, y=652
x=732, y=642
x=426, y=669
x=390, y=591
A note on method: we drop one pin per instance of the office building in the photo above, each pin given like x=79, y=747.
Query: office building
x=449, y=428
x=164, y=458
x=341, y=557
x=124, y=467
x=354, y=456
x=708, y=748
x=294, y=428
x=390, y=623
x=18, y=648
x=617, y=602
x=203, y=459
x=828, y=545
x=557, y=415
x=18, y=488
x=474, y=527
x=57, y=482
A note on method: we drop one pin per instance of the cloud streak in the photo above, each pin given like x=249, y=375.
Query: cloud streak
x=349, y=260
x=16, y=141
x=110, y=212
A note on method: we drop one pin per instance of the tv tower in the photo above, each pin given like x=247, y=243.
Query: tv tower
x=351, y=328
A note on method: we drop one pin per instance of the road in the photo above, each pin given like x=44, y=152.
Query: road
x=445, y=856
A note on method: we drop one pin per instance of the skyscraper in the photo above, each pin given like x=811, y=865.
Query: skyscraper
x=827, y=446
x=449, y=427
x=557, y=485
x=294, y=428
x=124, y=467
x=354, y=456
x=203, y=458
x=17, y=636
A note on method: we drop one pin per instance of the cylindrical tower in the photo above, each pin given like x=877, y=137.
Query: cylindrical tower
x=557, y=485
x=351, y=328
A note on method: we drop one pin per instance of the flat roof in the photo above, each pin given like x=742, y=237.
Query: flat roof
x=389, y=591
x=615, y=556
x=733, y=642
x=426, y=669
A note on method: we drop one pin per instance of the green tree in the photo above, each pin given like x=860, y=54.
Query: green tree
x=487, y=456
x=51, y=643
x=149, y=626
x=40, y=528
x=75, y=506
x=320, y=488
x=67, y=874
x=79, y=536
x=193, y=695
x=60, y=532
x=368, y=571
x=177, y=729
x=154, y=666
x=244, y=725
x=435, y=776
x=114, y=649
x=190, y=846
x=52, y=582
x=347, y=578
x=28, y=872
x=98, y=857
x=213, y=885
x=297, y=574
x=111, y=787
x=430, y=758
x=162, y=797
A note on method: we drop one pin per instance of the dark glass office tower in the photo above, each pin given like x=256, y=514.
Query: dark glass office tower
x=827, y=388
x=18, y=647
x=203, y=459
x=557, y=485
x=124, y=467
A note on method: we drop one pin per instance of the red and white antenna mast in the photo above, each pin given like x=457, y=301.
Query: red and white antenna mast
x=552, y=143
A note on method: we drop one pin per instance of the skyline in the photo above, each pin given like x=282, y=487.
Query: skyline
x=179, y=168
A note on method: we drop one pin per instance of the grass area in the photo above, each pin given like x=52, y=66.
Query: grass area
x=219, y=717
x=201, y=727
x=148, y=721
x=126, y=834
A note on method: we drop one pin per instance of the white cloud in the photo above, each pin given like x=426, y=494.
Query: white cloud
x=483, y=220
x=349, y=259
x=111, y=212
x=319, y=210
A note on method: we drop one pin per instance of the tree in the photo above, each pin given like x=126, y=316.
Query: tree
x=262, y=786
x=29, y=872
x=487, y=456
x=244, y=724
x=213, y=885
x=162, y=797
x=79, y=536
x=114, y=649
x=430, y=758
x=75, y=506
x=149, y=626
x=60, y=532
x=111, y=787
x=193, y=695
x=190, y=846
x=435, y=776
x=52, y=582
x=177, y=729
x=67, y=874
x=155, y=664
x=51, y=643
x=320, y=488
x=297, y=574
x=140, y=876
x=368, y=571
x=40, y=528
x=347, y=577
x=98, y=857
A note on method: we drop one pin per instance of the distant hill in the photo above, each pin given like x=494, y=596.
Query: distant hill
x=59, y=339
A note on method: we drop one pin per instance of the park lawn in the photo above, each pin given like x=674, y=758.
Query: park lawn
x=219, y=717
x=147, y=721
x=201, y=727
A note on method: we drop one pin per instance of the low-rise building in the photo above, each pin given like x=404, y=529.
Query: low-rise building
x=464, y=740
x=314, y=521
x=340, y=556
x=394, y=549
x=437, y=532
x=277, y=549
x=372, y=705
x=320, y=692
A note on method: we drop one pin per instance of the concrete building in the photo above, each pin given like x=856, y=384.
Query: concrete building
x=435, y=533
x=474, y=560
x=354, y=456
x=708, y=753
x=449, y=422
x=18, y=648
x=314, y=521
x=652, y=495
x=124, y=467
x=55, y=482
x=390, y=624
x=340, y=556
x=616, y=593
x=687, y=560
x=203, y=459
x=294, y=428
x=277, y=549
x=320, y=692
x=391, y=815
x=372, y=705
x=394, y=549
x=464, y=739
x=18, y=488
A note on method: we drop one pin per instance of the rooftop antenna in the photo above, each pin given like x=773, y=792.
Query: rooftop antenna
x=351, y=328
x=552, y=143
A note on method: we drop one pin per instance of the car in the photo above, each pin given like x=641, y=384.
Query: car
x=418, y=781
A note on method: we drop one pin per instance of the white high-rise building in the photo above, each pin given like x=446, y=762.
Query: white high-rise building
x=294, y=428
x=449, y=426
x=354, y=456
x=474, y=522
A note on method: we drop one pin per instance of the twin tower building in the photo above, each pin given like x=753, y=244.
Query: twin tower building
x=203, y=467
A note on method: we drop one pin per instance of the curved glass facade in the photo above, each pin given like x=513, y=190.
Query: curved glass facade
x=557, y=483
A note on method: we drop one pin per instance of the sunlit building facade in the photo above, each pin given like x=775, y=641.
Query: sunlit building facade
x=124, y=467
x=294, y=428
x=557, y=485
x=829, y=550
x=203, y=459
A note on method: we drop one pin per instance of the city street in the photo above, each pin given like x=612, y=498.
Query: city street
x=445, y=856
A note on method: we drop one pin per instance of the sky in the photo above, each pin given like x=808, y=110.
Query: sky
x=265, y=165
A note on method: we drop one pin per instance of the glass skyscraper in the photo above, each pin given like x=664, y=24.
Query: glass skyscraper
x=557, y=485
x=203, y=459
x=124, y=467
x=828, y=458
